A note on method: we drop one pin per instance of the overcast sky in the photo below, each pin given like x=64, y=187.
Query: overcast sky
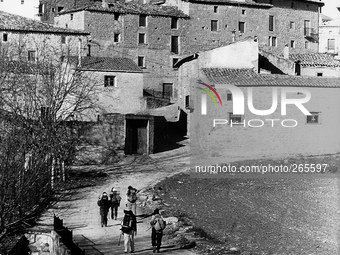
x=330, y=8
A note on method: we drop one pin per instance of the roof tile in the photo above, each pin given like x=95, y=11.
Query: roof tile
x=315, y=60
x=247, y=78
x=12, y=22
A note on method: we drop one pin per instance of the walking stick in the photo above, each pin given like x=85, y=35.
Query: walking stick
x=120, y=236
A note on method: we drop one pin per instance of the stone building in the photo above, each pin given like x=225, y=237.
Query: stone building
x=33, y=41
x=330, y=37
x=276, y=23
x=152, y=36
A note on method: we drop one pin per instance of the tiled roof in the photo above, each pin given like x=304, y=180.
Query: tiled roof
x=315, y=60
x=233, y=2
x=24, y=67
x=12, y=22
x=107, y=64
x=133, y=8
x=247, y=78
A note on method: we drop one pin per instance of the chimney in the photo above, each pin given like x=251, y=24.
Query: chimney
x=286, y=52
x=105, y=4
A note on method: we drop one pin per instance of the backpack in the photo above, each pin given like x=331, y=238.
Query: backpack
x=132, y=197
x=114, y=198
x=127, y=223
x=160, y=224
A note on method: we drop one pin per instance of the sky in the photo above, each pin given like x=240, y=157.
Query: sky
x=330, y=8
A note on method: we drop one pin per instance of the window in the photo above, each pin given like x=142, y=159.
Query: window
x=241, y=27
x=60, y=8
x=243, y=12
x=167, y=90
x=235, y=118
x=292, y=25
x=292, y=44
x=22, y=1
x=314, y=118
x=331, y=44
x=174, y=23
x=307, y=29
x=272, y=41
x=63, y=39
x=215, y=9
x=4, y=37
x=271, y=23
x=319, y=74
x=141, y=38
x=31, y=55
x=141, y=61
x=110, y=81
x=52, y=9
x=116, y=37
x=71, y=16
x=88, y=50
x=175, y=44
x=142, y=20
x=306, y=45
x=214, y=25
x=174, y=61
x=292, y=5
x=229, y=97
x=187, y=102
x=116, y=16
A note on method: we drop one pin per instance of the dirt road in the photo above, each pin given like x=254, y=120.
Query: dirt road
x=81, y=213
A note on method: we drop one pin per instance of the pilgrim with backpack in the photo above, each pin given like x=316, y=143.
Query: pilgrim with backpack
x=115, y=203
x=129, y=229
x=131, y=197
x=158, y=224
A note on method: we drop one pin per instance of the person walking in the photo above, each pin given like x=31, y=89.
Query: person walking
x=157, y=224
x=129, y=230
x=115, y=203
x=131, y=199
x=104, y=205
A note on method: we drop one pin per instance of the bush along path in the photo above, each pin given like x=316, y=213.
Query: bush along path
x=80, y=211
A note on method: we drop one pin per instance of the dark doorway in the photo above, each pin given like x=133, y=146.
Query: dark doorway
x=136, y=136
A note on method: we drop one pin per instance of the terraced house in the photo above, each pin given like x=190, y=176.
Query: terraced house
x=153, y=36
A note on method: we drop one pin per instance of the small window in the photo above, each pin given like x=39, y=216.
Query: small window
x=243, y=12
x=241, y=27
x=235, y=118
x=331, y=44
x=306, y=45
x=22, y=1
x=63, y=39
x=60, y=8
x=142, y=20
x=272, y=41
x=314, y=118
x=292, y=5
x=116, y=16
x=174, y=44
x=167, y=90
x=215, y=9
x=319, y=74
x=31, y=55
x=174, y=61
x=174, y=23
x=88, y=50
x=271, y=23
x=4, y=37
x=292, y=44
x=110, y=81
x=214, y=24
x=292, y=25
x=141, y=38
x=187, y=102
x=116, y=37
x=53, y=9
x=229, y=97
x=141, y=61
x=71, y=16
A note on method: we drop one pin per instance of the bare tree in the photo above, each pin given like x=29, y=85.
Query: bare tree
x=38, y=101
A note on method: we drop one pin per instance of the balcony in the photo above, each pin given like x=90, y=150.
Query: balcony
x=311, y=34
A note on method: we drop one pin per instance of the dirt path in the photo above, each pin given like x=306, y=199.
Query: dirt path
x=81, y=213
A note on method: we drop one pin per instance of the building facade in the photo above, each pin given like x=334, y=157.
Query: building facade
x=25, y=8
x=330, y=37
